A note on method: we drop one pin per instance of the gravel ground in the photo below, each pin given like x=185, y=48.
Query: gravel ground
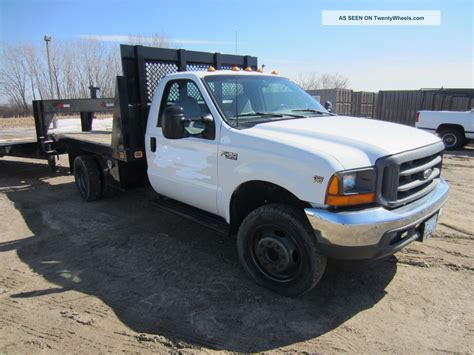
x=121, y=275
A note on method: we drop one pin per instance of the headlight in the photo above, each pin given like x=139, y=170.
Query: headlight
x=353, y=187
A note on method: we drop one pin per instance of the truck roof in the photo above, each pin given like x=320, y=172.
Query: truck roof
x=202, y=74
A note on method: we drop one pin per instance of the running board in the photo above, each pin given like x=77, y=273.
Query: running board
x=194, y=214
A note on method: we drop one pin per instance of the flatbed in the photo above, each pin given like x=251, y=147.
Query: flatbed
x=103, y=138
x=18, y=141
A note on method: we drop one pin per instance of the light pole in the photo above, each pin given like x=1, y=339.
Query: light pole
x=47, y=39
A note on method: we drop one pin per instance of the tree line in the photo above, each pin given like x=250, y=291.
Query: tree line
x=75, y=65
x=26, y=74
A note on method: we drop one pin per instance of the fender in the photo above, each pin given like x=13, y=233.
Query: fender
x=243, y=158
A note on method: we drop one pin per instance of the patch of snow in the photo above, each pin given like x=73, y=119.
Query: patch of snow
x=74, y=125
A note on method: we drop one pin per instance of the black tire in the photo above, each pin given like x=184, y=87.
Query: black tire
x=452, y=138
x=88, y=178
x=278, y=249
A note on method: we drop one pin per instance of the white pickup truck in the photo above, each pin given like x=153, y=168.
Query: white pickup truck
x=295, y=183
x=456, y=128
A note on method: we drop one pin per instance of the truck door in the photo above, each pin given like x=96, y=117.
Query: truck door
x=184, y=169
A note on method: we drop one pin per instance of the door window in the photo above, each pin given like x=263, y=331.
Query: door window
x=186, y=94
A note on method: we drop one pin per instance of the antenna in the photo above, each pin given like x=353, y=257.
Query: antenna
x=235, y=41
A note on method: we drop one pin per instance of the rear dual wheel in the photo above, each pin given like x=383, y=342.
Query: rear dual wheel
x=278, y=249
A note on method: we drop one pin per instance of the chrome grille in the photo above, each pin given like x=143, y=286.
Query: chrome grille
x=406, y=177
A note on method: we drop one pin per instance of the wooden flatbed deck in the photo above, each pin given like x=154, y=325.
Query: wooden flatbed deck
x=103, y=138
x=16, y=136
x=96, y=142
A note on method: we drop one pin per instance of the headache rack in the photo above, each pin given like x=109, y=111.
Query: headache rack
x=408, y=176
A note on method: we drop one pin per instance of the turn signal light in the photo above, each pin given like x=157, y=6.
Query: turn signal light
x=350, y=200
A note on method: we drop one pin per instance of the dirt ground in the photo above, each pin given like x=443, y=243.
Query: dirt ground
x=120, y=275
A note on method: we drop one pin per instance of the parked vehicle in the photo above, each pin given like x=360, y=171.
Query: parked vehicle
x=253, y=154
x=455, y=128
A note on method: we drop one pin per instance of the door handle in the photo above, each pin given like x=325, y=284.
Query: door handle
x=153, y=144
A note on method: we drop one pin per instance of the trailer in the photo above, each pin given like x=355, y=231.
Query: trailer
x=38, y=142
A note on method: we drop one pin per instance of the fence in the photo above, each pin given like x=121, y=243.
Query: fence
x=394, y=105
x=401, y=106
x=340, y=98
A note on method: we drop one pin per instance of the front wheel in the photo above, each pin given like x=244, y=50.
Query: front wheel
x=278, y=249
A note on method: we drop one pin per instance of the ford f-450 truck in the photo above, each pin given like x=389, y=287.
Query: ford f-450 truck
x=225, y=144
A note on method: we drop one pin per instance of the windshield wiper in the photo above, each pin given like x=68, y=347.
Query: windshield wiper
x=272, y=114
x=311, y=110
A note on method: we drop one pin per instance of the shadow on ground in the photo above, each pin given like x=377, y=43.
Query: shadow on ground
x=165, y=275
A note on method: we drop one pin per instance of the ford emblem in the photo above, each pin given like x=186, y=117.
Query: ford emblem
x=427, y=173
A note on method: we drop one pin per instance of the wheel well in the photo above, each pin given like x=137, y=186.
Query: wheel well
x=446, y=126
x=253, y=194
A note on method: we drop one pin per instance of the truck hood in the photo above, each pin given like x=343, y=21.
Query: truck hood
x=354, y=142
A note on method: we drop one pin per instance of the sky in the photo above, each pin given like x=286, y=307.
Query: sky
x=285, y=35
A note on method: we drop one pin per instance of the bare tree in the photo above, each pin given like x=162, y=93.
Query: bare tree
x=313, y=81
x=14, y=79
x=75, y=65
x=155, y=40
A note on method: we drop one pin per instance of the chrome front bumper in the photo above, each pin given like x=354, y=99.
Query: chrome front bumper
x=370, y=233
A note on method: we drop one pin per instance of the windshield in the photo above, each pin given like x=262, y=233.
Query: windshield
x=254, y=99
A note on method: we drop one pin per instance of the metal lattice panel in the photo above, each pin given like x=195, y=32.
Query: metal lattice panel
x=173, y=95
x=231, y=89
x=154, y=73
x=190, y=90
x=194, y=92
x=197, y=67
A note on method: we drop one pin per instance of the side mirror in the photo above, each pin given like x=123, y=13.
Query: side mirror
x=328, y=106
x=173, y=122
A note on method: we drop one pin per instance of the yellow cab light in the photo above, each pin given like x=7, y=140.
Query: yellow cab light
x=211, y=68
x=248, y=69
x=274, y=72
x=235, y=68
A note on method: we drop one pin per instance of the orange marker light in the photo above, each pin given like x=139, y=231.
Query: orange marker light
x=235, y=68
x=274, y=72
x=333, y=188
x=211, y=68
x=248, y=69
x=350, y=200
x=259, y=70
